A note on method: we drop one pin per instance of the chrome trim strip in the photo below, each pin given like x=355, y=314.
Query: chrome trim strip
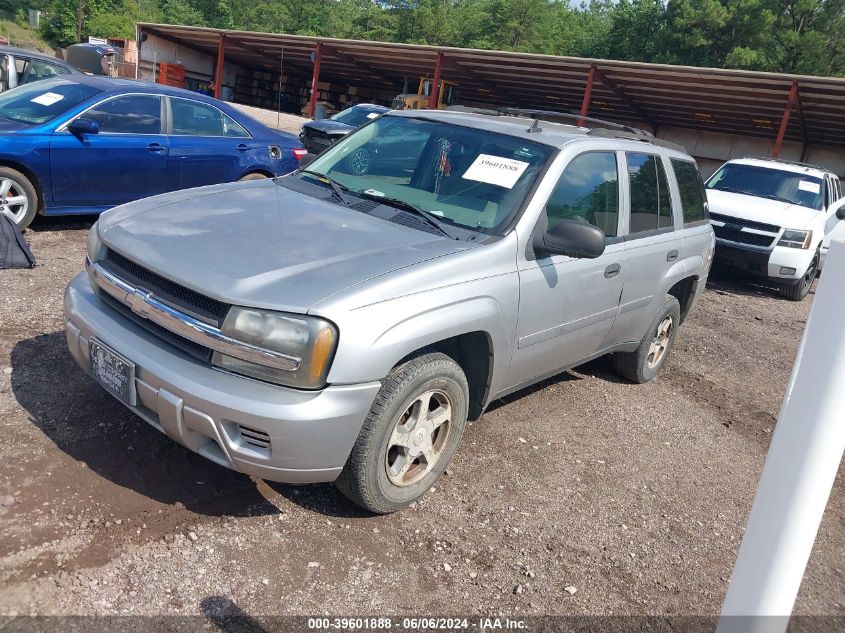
x=147, y=306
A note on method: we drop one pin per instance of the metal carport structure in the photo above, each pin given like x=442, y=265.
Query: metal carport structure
x=805, y=111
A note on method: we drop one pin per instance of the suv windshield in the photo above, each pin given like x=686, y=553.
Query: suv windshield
x=768, y=182
x=468, y=177
x=356, y=116
x=42, y=101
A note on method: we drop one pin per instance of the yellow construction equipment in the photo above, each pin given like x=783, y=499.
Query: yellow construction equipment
x=420, y=99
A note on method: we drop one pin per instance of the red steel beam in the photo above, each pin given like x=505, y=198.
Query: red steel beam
x=218, y=73
x=588, y=92
x=315, y=79
x=435, y=85
x=784, y=122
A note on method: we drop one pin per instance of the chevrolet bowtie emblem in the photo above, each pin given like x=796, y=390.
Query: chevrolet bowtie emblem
x=137, y=300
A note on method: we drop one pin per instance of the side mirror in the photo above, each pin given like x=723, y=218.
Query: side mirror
x=840, y=212
x=307, y=159
x=81, y=126
x=573, y=238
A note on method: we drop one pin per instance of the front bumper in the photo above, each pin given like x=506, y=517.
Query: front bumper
x=773, y=263
x=309, y=433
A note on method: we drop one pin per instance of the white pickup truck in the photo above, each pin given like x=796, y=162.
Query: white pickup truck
x=775, y=219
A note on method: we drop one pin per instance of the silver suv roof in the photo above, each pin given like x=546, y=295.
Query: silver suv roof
x=543, y=131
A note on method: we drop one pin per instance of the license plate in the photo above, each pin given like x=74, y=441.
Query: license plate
x=114, y=372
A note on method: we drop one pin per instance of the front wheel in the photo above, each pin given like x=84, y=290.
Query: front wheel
x=410, y=435
x=799, y=291
x=18, y=198
x=644, y=363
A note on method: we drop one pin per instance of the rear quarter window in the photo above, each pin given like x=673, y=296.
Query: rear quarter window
x=691, y=188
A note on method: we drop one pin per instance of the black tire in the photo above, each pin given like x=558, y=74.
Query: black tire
x=365, y=479
x=799, y=291
x=253, y=176
x=21, y=185
x=637, y=366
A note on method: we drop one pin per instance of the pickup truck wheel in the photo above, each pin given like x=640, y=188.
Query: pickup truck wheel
x=18, y=198
x=799, y=291
x=410, y=435
x=644, y=363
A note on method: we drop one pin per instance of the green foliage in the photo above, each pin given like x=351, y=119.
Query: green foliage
x=804, y=36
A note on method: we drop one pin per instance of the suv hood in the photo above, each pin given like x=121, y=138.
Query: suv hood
x=782, y=214
x=261, y=245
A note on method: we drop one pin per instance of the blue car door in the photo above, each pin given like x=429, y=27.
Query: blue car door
x=207, y=146
x=126, y=159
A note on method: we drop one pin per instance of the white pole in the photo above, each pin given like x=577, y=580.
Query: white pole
x=803, y=459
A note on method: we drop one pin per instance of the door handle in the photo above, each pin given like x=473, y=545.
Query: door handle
x=156, y=148
x=242, y=147
x=612, y=270
x=671, y=256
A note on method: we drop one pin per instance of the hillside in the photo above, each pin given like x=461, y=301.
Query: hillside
x=25, y=38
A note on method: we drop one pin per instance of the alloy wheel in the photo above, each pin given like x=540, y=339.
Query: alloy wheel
x=660, y=342
x=418, y=438
x=13, y=200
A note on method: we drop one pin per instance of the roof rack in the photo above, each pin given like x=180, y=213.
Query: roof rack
x=611, y=129
x=791, y=162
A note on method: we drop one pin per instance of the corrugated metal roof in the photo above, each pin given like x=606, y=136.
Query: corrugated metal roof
x=714, y=99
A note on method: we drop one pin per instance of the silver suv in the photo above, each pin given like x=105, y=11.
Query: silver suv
x=344, y=322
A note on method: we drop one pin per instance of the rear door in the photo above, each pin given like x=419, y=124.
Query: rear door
x=207, y=146
x=126, y=160
x=652, y=244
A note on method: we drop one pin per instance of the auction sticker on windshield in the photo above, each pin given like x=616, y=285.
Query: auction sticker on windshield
x=47, y=99
x=113, y=371
x=809, y=185
x=496, y=170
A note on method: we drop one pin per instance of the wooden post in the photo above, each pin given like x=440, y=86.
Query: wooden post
x=315, y=79
x=218, y=73
x=435, y=85
x=588, y=92
x=784, y=122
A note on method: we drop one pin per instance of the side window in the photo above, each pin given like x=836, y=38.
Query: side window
x=691, y=188
x=588, y=191
x=41, y=70
x=192, y=118
x=651, y=204
x=132, y=114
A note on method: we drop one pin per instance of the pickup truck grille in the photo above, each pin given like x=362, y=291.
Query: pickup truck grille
x=750, y=224
x=744, y=231
x=178, y=297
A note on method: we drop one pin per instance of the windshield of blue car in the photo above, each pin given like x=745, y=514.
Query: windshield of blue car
x=43, y=101
x=355, y=116
x=468, y=177
x=766, y=182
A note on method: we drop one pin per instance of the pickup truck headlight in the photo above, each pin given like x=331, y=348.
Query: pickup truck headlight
x=310, y=342
x=795, y=238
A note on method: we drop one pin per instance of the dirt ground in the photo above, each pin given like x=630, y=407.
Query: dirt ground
x=633, y=497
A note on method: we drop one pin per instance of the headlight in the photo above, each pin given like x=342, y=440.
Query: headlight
x=95, y=245
x=308, y=341
x=794, y=238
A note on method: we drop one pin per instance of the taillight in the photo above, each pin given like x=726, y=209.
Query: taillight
x=299, y=152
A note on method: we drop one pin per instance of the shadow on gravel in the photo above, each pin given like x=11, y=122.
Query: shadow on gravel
x=726, y=280
x=223, y=613
x=90, y=426
x=321, y=498
x=62, y=222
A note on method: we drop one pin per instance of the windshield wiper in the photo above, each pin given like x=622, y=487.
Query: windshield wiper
x=432, y=219
x=336, y=187
x=770, y=197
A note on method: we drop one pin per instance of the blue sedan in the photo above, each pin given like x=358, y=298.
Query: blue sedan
x=82, y=144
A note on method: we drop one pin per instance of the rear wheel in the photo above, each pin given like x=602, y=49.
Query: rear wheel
x=799, y=291
x=644, y=363
x=254, y=176
x=18, y=198
x=410, y=435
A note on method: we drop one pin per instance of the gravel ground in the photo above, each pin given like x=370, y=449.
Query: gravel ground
x=584, y=495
